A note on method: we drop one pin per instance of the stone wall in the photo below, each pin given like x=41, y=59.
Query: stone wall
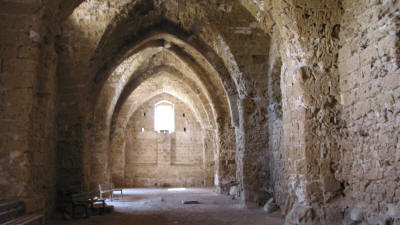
x=225, y=159
x=308, y=47
x=276, y=150
x=350, y=154
x=157, y=159
x=27, y=104
x=370, y=96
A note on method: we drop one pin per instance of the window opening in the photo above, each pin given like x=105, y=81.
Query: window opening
x=164, y=119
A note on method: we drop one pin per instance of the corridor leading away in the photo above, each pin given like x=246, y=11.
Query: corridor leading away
x=295, y=103
x=164, y=207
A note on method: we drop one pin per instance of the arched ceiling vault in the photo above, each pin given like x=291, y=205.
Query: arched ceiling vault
x=260, y=9
x=193, y=74
x=111, y=91
x=136, y=69
x=197, y=61
x=191, y=91
x=197, y=24
x=185, y=63
x=160, y=83
x=218, y=45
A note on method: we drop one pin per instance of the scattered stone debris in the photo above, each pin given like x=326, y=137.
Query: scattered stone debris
x=233, y=191
x=356, y=214
x=270, y=206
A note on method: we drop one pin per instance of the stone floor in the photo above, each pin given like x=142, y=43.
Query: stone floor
x=164, y=207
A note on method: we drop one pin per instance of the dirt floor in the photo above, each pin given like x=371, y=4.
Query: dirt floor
x=164, y=207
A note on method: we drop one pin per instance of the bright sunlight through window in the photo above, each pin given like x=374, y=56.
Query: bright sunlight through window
x=164, y=118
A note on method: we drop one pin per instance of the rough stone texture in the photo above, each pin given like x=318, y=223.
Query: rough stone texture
x=370, y=92
x=157, y=159
x=296, y=99
x=276, y=150
x=27, y=103
x=170, y=84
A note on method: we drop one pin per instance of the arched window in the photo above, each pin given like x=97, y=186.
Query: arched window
x=164, y=118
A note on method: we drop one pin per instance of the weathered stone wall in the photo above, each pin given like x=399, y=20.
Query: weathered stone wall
x=16, y=101
x=276, y=150
x=27, y=103
x=370, y=96
x=73, y=44
x=159, y=85
x=250, y=72
x=225, y=159
x=80, y=33
x=157, y=159
x=309, y=44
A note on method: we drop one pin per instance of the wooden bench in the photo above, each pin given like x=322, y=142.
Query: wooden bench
x=85, y=201
x=109, y=188
x=13, y=213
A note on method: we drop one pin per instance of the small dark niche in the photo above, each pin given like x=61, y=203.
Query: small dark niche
x=184, y=129
x=144, y=114
x=183, y=114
